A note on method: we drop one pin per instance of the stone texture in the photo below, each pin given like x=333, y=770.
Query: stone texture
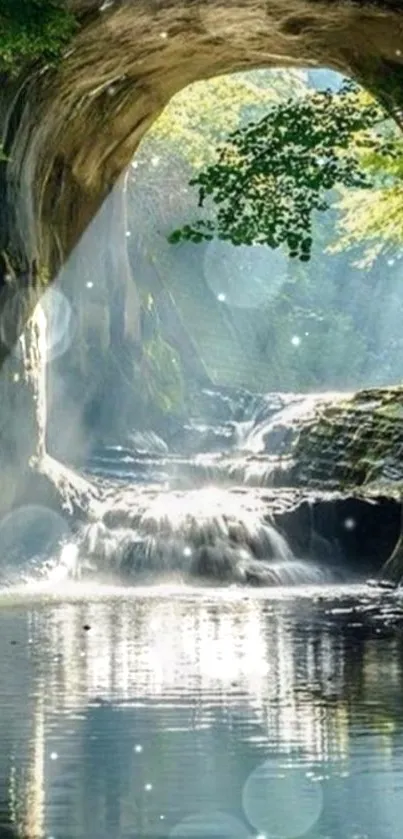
x=78, y=127
x=355, y=441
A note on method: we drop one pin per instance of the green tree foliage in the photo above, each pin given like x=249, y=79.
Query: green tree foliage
x=373, y=219
x=272, y=175
x=184, y=140
x=32, y=30
x=324, y=324
x=200, y=116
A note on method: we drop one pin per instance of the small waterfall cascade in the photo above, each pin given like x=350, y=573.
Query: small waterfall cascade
x=211, y=534
x=200, y=506
x=243, y=441
x=274, y=431
x=195, y=506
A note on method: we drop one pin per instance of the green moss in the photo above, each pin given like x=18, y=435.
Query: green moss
x=354, y=442
x=33, y=30
x=165, y=386
x=393, y=411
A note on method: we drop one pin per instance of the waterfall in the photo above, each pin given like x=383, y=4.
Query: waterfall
x=272, y=432
x=212, y=534
x=178, y=512
x=33, y=344
x=165, y=513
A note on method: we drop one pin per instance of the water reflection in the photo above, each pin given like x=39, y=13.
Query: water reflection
x=200, y=716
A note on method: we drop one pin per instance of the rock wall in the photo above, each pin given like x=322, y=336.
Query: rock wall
x=70, y=132
x=23, y=410
x=353, y=441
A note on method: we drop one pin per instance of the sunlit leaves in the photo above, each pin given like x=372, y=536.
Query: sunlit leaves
x=184, y=139
x=272, y=175
x=373, y=219
x=201, y=115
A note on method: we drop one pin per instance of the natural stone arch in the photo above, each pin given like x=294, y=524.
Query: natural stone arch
x=70, y=133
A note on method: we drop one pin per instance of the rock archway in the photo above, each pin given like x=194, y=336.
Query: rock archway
x=70, y=133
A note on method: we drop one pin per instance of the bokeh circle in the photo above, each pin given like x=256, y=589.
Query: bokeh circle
x=281, y=800
x=59, y=322
x=29, y=536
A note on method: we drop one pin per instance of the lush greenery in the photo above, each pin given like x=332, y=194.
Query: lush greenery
x=201, y=116
x=267, y=155
x=272, y=175
x=374, y=218
x=320, y=323
x=183, y=140
x=32, y=30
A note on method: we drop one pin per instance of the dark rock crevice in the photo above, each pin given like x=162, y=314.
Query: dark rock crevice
x=356, y=533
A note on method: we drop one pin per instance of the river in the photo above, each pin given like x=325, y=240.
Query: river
x=187, y=703
x=172, y=712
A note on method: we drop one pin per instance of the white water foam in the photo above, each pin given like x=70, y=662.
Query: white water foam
x=213, y=535
x=274, y=427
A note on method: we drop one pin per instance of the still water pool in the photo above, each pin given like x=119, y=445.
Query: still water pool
x=178, y=712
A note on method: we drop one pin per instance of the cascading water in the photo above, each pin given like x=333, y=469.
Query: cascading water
x=194, y=508
x=186, y=511
x=206, y=533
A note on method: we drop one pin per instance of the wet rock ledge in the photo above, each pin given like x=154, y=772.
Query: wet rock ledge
x=353, y=441
x=348, y=451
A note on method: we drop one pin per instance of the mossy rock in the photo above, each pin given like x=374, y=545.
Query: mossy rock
x=352, y=441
